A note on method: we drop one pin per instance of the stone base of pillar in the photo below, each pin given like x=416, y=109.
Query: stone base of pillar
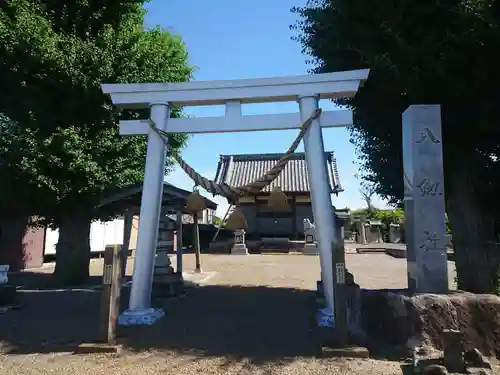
x=140, y=317
x=239, y=249
x=310, y=249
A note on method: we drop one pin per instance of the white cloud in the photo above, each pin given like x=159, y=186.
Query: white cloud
x=181, y=180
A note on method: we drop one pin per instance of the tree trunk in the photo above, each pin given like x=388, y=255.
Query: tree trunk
x=73, y=251
x=473, y=235
x=12, y=248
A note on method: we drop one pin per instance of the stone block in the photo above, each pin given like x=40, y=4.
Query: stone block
x=8, y=295
x=396, y=253
x=476, y=359
x=434, y=370
x=453, y=350
x=239, y=249
x=310, y=249
x=91, y=348
x=167, y=285
x=347, y=352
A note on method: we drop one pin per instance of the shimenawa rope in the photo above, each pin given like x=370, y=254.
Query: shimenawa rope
x=232, y=193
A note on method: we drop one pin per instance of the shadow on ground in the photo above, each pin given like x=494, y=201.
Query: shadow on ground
x=259, y=323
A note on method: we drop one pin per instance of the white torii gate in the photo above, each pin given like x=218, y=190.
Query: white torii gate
x=306, y=89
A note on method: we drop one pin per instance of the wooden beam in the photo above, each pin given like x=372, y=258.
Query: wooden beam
x=278, y=89
x=199, y=125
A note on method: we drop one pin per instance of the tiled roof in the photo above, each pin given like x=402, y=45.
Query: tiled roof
x=238, y=170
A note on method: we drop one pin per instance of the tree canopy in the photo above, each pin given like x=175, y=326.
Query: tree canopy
x=423, y=52
x=60, y=149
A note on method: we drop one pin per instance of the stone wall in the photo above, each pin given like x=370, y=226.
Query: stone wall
x=420, y=320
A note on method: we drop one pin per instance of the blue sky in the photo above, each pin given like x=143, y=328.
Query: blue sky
x=237, y=39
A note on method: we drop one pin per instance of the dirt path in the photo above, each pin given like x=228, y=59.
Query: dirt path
x=251, y=317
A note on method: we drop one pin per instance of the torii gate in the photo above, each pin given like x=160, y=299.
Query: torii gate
x=306, y=89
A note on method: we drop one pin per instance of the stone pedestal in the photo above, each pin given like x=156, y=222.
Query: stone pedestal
x=310, y=245
x=425, y=227
x=165, y=281
x=163, y=267
x=239, y=247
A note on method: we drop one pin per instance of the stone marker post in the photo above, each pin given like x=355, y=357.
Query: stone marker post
x=362, y=231
x=110, y=297
x=340, y=294
x=453, y=350
x=424, y=200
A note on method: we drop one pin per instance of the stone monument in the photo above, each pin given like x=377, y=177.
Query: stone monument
x=8, y=293
x=310, y=245
x=424, y=200
x=239, y=247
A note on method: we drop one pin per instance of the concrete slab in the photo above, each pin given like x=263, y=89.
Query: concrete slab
x=89, y=348
x=347, y=352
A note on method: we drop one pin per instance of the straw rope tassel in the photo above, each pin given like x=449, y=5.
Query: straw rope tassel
x=277, y=201
x=195, y=202
x=236, y=220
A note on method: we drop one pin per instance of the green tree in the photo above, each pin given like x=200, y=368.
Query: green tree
x=423, y=52
x=388, y=217
x=63, y=150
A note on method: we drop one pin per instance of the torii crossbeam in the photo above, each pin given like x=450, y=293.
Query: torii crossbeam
x=306, y=89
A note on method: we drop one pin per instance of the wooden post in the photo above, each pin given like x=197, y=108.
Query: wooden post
x=110, y=297
x=179, y=245
x=340, y=294
x=127, y=229
x=196, y=242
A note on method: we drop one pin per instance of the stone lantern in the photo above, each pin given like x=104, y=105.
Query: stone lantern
x=239, y=247
x=310, y=245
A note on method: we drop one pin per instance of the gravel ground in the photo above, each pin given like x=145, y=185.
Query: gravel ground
x=250, y=317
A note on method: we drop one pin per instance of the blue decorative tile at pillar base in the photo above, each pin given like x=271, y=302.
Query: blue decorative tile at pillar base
x=324, y=317
x=140, y=317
